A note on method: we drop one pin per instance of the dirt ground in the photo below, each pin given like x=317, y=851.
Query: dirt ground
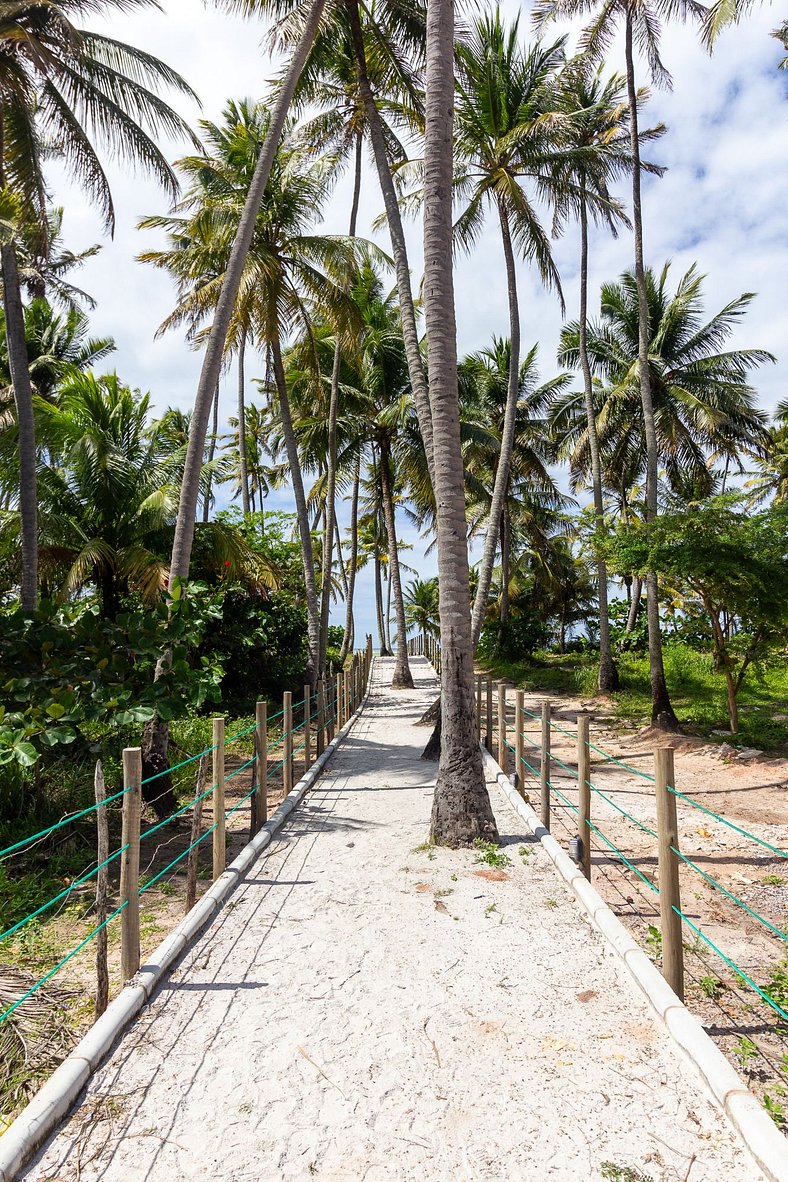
x=746, y=788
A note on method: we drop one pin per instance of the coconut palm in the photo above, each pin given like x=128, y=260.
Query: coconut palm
x=529, y=487
x=283, y=281
x=771, y=476
x=597, y=131
x=642, y=20
x=421, y=607
x=461, y=809
x=66, y=86
x=705, y=409
x=506, y=143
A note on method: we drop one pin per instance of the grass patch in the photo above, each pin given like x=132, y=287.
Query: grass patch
x=696, y=690
x=489, y=853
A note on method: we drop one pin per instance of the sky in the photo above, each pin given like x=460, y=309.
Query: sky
x=721, y=203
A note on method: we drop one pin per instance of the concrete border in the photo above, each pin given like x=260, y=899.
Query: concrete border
x=55, y=1099
x=760, y=1135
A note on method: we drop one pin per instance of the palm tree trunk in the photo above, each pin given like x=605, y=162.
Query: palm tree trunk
x=243, y=474
x=206, y=504
x=399, y=248
x=384, y=648
x=402, y=678
x=608, y=673
x=209, y=376
x=333, y=411
x=507, y=435
x=387, y=613
x=506, y=548
x=302, y=512
x=19, y=366
x=662, y=713
x=347, y=640
x=634, y=603
x=461, y=809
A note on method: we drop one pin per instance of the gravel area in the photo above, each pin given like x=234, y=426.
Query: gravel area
x=369, y=1008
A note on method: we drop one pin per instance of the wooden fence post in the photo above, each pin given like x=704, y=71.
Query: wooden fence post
x=261, y=744
x=287, y=742
x=338, y=702
x=502, y=750
x=489, y=730
x=320, y=721
x=584, y=792
x=130, y=864
x=479, y=705
x=544, y=767
x=307, y=727
x=669, y=886
x=519, y=750
x=219, y=817
x=102, y=853
x=193, y=854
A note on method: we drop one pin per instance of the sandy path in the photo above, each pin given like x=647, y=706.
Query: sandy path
x=365, y=1011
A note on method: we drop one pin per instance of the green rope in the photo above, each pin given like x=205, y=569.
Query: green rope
x=623, y=812
x=732, y=964
x=77, y=882
x=176, y=766
x=730, y=824
x=60, y=824
x=184, y=809
x=6, y=1013
x=177, y=859
x=624, y=859
x=732, y=897
x=612, y=759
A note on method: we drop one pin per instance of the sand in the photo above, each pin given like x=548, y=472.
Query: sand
x=364, y=1010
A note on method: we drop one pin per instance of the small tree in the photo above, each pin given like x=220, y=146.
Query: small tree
x=729, y=566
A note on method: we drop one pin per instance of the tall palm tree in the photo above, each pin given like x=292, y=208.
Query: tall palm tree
x=64, y=85
x=506, y=142
x=461, y=810
x=283, y=281
x=484, y=386
x=771, y=476
x=421, y=607
x=232, y=277
x=642, y=21
x=597, y=129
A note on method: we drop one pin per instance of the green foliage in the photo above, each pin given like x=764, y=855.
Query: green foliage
x=520, y=636
x=66, y=673
x=616, y=1173
x=490, y=855
x=635, y=641
x=711, y=986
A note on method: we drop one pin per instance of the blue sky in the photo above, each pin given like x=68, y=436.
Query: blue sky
x=721, y=203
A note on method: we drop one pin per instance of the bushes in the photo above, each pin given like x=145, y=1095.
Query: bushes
x=519, y=637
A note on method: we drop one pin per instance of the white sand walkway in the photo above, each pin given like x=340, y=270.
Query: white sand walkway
x=365, y=1011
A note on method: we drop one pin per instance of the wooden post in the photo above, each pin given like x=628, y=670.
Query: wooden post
x=544, y=767
x=519, y=750
x=102, y=853
x=287, y=740
x=479, y=704
x=321, y=717
x=502, y=749
x=130, y=864
x=219, y=816
x=584, y=791
x=307, y=727
x=489, y=730
x=669, y=887
x=192, y=858
x=338, y=703
x=261, y=740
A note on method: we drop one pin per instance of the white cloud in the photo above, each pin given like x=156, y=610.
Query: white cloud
x=722, y=203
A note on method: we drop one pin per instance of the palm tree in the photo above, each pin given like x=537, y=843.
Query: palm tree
x=771, y=478
x=506, y=143
x=705, y=409
x=642, y=24
x=597, y=130
x=283, y=282
x=421, y=607
x=529, y=489
x=461, y=810
x=228, y=285
x=67, y=86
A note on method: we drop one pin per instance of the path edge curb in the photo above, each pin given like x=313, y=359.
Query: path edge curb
x=757, y=1131
x=54, y=1100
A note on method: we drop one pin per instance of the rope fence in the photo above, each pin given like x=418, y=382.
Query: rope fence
x=325, y=710
x=566, y=792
